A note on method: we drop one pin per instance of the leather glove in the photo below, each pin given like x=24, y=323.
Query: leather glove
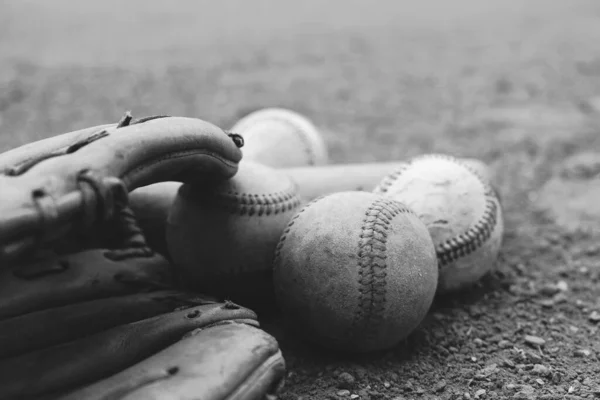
x=88, y=308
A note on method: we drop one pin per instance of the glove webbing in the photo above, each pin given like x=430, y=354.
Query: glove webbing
x=106, y=200
x=97, y=200
x=100, y=200
x=97, y=203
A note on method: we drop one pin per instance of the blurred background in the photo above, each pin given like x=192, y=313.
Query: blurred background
x=515, y=83
x=385, y=79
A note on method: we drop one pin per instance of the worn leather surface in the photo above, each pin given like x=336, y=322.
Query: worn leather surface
x=94, y=357
x=72, y=185
x=232, y=360
x=84, y=295
x=54, y=281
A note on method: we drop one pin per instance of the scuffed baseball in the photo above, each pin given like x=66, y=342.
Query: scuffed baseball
x=460, y=209
x=478, y=166
x=222, y=238
x=355, y=271
x=317, y=181
x=279, y=137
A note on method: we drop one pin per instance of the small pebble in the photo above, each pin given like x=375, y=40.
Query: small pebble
x=534, y=357
x=503, y=344
x=559, y=298
x=549, y=290
x=343, y=393
x=527, y=392
x=508, y=363
x=594, y=316
x=540, y=369
x=354, y=396
x=439, y=386
x=547, y=303
x=386, y=385
x=479, y=393
x=562, y=286
x=490, y=369
x=539, y=381
x=478, y=342
x=582, y=353
x=345, y=380
x=535, y=340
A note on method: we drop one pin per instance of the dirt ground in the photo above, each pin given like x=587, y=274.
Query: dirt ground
x=514, y=83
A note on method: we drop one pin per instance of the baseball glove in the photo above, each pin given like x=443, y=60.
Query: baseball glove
x=88, y=309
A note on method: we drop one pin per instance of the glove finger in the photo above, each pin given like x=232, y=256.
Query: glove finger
x=71, y=365
x=232, y=361
x=62, y=280
x=46, y=328
x=44, y=148
x=81, y=187
x=160, y=149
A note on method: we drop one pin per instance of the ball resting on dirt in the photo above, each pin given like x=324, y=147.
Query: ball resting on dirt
x=355, y=272
x=222, y=238
x=461, y=211
x=278, y=137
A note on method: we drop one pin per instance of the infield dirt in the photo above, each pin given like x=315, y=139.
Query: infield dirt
x=514, y=83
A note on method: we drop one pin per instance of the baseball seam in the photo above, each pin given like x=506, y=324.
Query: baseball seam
x=387, y=182
x=254, y=204
x=250, y=204
x=467, y=242
x=372, y=267
x=288, y=228
x=471, y=240
x=310, y=154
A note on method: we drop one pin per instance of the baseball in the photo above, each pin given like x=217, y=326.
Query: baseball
x=278, y=137
x=478, y=166
x=460, y=209
x=355, y=271
x=317, y=181
x=222, y=238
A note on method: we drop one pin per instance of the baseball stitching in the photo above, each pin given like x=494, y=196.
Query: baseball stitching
x=288, y=228
x=259, y=204
x=300, y=133
x=254, y=204
x=389, y=180
x=372, y=263
x=469, y=241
